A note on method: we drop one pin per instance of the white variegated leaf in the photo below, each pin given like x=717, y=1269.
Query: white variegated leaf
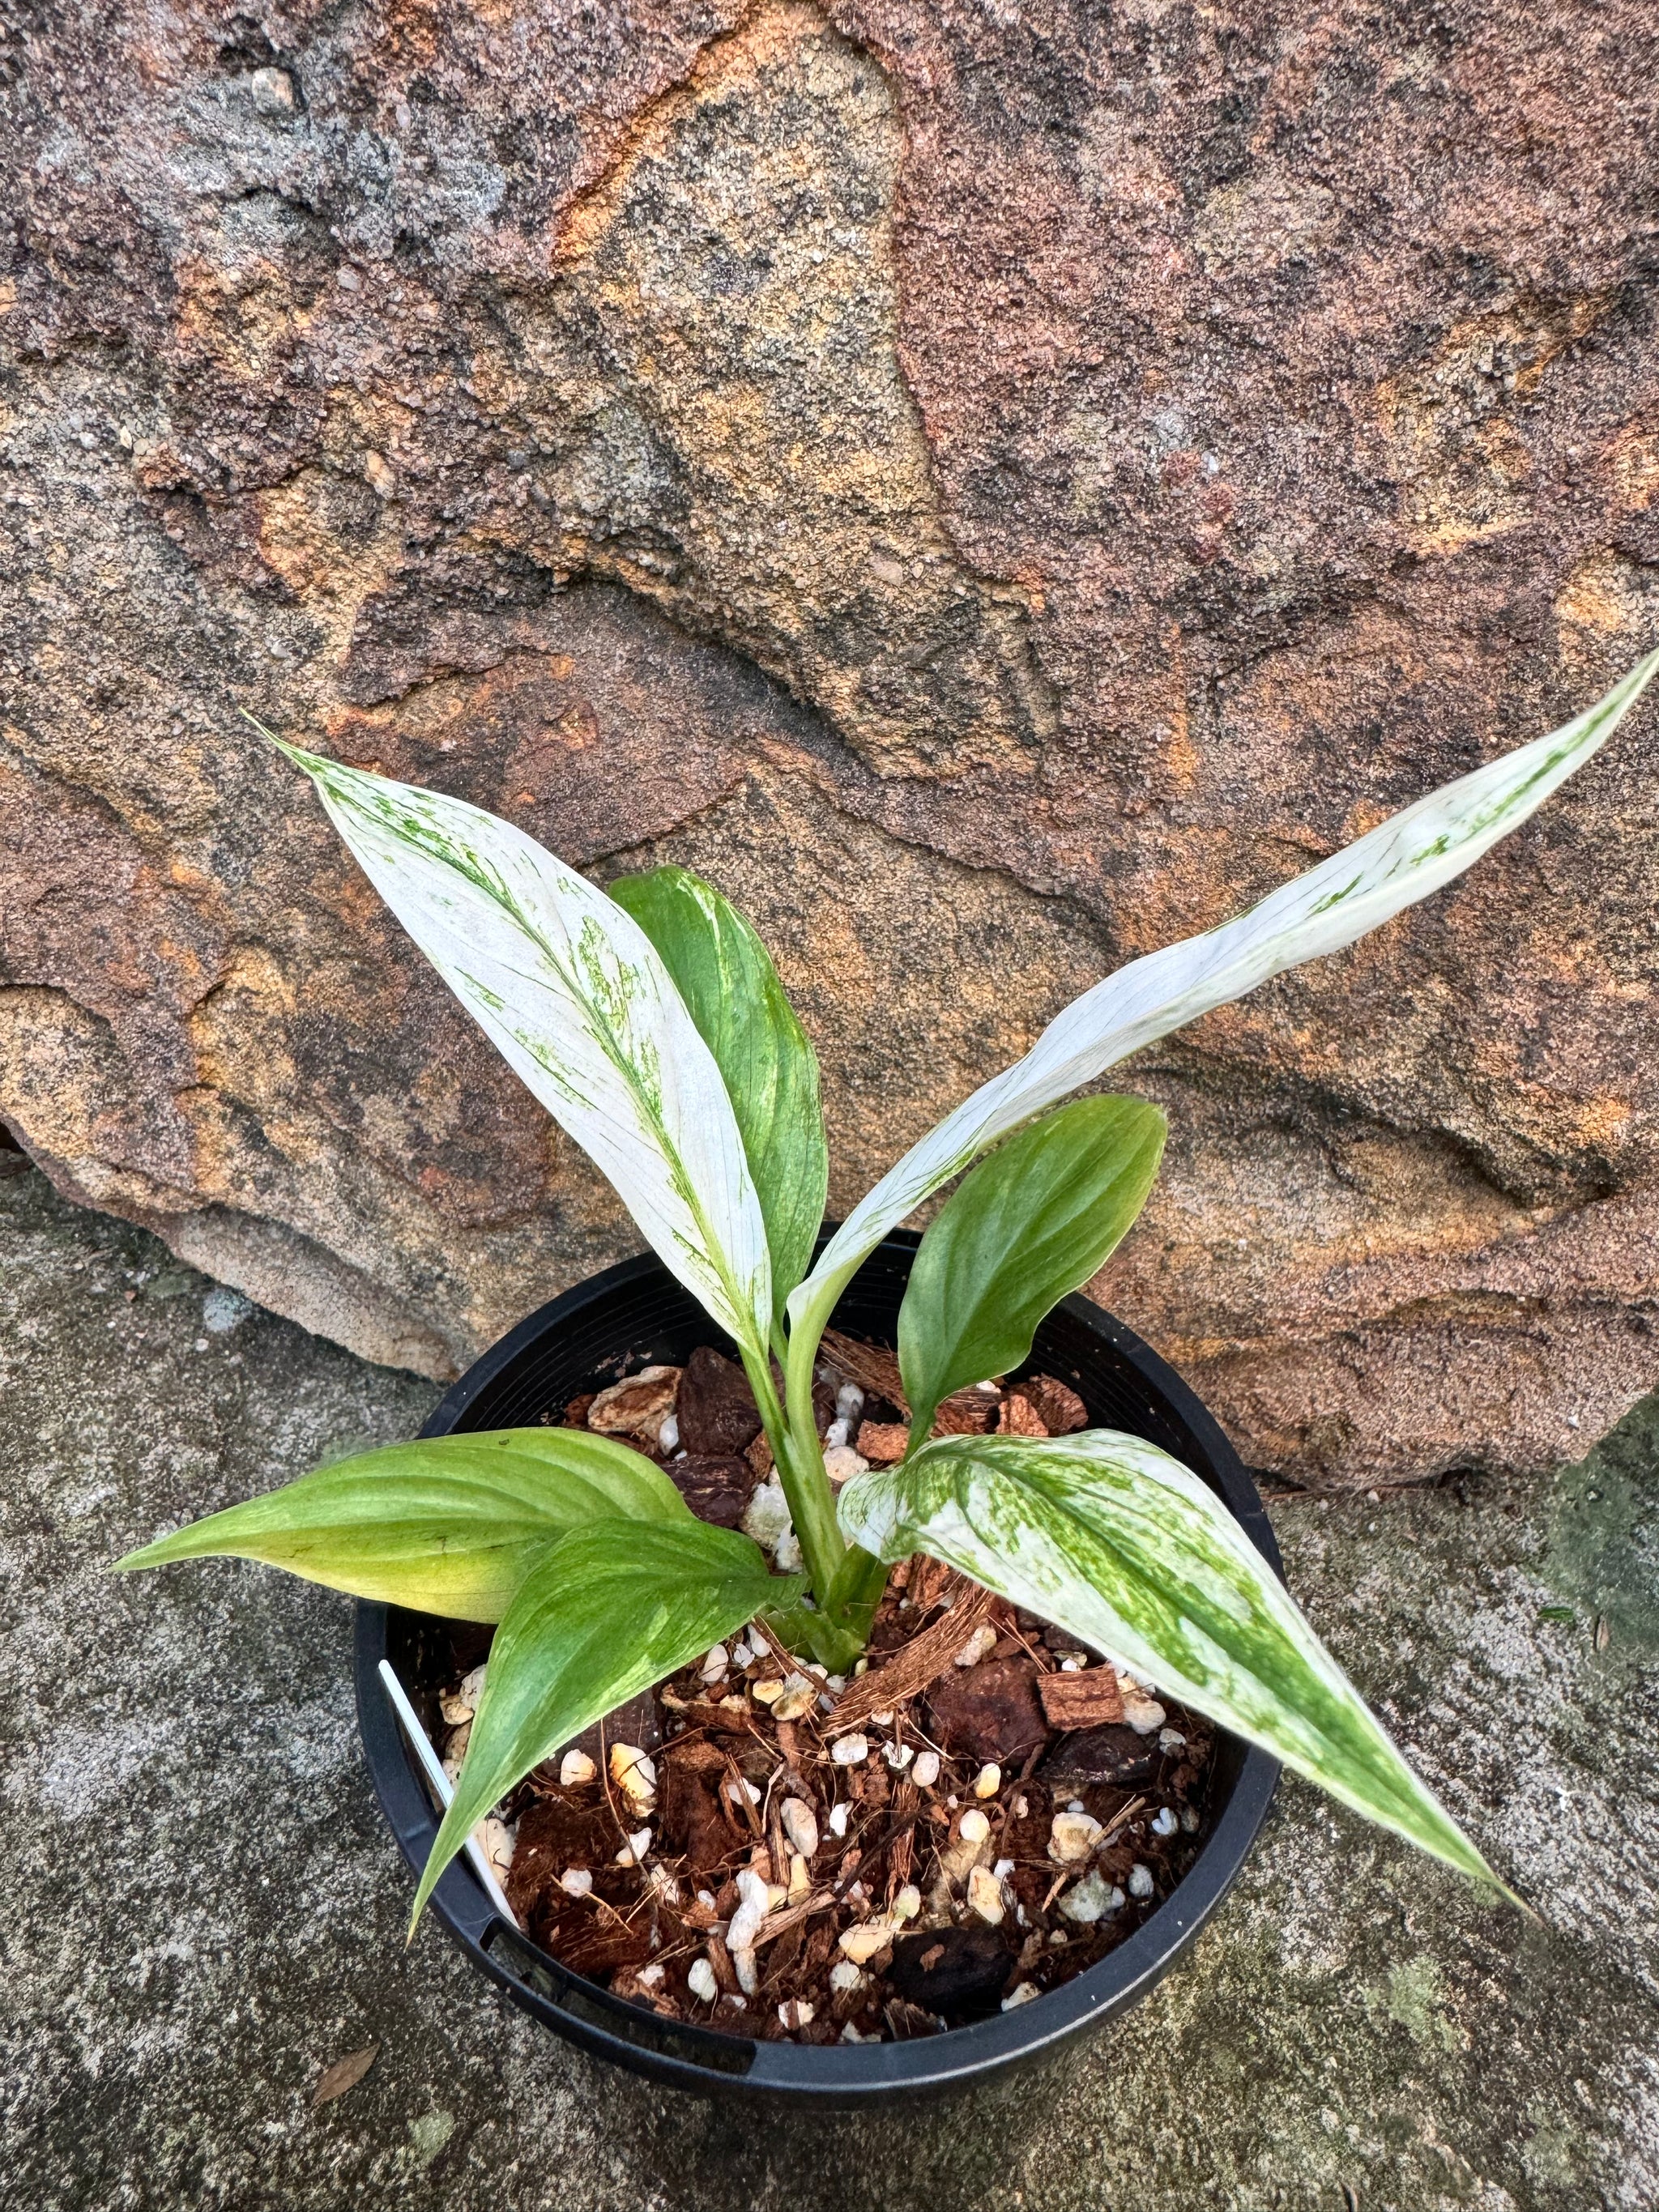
x=578, y=1001
x=1414, y=853
x=1126, y=1549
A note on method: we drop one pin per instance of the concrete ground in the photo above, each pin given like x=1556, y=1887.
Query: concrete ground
x=200, y=1908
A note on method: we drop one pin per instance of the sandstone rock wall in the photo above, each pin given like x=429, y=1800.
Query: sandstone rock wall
x=995, y=486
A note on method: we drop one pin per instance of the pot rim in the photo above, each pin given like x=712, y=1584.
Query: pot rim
x=708, y=2062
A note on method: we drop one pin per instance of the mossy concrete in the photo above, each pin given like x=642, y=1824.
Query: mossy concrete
x=201, y=1907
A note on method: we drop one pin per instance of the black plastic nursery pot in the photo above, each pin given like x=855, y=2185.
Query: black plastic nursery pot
x=637, y=1311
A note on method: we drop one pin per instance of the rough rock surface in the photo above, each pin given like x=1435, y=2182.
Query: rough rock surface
x=997, y=488
x=203, y=1908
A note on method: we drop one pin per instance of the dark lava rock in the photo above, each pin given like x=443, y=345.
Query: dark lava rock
x=716, y=1489
x=716, y=1410
x=990, y=1711
x=1061, y=1640
x=1115, y=1754
x=954, y=1971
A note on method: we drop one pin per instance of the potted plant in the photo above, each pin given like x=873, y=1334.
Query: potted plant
x=1125, y=1562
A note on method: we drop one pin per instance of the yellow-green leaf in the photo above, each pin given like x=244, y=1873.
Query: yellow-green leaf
x=449, y=1525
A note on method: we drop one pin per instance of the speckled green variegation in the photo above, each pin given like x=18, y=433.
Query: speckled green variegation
x=576, y=999
x=1414, y=853
x=1124, y=1548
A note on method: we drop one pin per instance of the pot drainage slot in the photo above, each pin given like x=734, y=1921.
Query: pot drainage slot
x=719, y=2054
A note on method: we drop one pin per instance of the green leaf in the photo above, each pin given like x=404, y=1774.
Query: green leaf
x=1038, y=1218
x=1126, y=1549
x=573, y=994
x=836, y=1628
x=449, y=1525
x=611, y=1609
x=1415, y=852
x=805, y=1628
x=744, y=1016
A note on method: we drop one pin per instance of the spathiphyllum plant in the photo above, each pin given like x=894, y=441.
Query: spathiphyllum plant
x=650, y=1022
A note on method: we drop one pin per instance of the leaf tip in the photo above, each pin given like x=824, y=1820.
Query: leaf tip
x=1454, y=1848
x=1505, y=1895
x=268, y=734
x=422, y=1891
x=311, y=762
x=155, y=1553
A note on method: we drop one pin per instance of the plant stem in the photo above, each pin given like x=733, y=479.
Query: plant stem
x=845, y=1581
x=805, y=1337
x=799, y=1464
x=858, y=1591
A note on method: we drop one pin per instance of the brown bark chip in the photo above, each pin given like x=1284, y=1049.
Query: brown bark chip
x=991, y=1711
x=871, y=1366
x=932, y=1581
x=876, y=1370
x=1091, y=1699
x=637, y=1406
x=1020, y=1418
x=716, y=1408
x=965, y=1413
x=919, y=1663
x=882, y=1442
x=759, y=1456
x=1059, y=1408
x=693, y=1820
